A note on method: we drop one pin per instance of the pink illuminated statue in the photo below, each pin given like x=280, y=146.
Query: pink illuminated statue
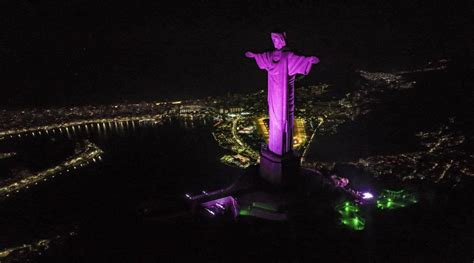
x=282, y=66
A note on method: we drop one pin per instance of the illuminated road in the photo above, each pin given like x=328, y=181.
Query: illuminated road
x=321, y=121
x=60, y=127
x=234, y=132
x=23, y=252
x=86, y=154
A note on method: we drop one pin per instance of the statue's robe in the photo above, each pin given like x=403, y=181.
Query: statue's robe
x=281, y=99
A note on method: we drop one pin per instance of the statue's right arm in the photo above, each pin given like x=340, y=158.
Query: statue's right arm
x=262, y=59
x=314, y=60
x=249, y=54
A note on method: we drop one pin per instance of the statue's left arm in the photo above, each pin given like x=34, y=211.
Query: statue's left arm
x=300, y=64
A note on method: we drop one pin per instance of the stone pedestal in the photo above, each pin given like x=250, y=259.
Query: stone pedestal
x=278, y=169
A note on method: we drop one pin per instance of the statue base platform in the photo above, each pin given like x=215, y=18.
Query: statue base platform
x=279, y=170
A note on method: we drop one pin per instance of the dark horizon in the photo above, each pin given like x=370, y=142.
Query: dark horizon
x=77, y=52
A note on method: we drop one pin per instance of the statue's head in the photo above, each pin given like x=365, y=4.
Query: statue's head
x=279, y=40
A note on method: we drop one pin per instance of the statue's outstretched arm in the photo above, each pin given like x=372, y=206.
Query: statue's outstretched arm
x=298, y=64
x=249, y=54
x=263, y=59
x=314, y=60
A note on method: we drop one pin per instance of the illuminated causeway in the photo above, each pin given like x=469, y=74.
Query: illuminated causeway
x=7, y=155
x=73, y=126
x=87, y=153
x=38, y=247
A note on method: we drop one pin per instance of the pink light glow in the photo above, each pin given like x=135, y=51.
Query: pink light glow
x=367, y=195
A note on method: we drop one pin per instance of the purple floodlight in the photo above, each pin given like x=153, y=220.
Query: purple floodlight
x=222, y=204
x=210, y=211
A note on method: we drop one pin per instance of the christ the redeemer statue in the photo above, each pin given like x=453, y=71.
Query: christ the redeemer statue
x=282, y=66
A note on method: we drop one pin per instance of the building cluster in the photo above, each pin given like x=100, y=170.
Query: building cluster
x=24, y=252
x=445, y=159
x=227, y=136
x=7, y=155
x=380, y=76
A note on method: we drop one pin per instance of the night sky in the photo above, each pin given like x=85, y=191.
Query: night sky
x=75, y=52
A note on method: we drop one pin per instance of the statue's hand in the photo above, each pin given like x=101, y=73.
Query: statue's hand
x=314, y=60
x=249, y=54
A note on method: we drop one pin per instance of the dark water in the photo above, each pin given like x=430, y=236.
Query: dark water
x=153, y=166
